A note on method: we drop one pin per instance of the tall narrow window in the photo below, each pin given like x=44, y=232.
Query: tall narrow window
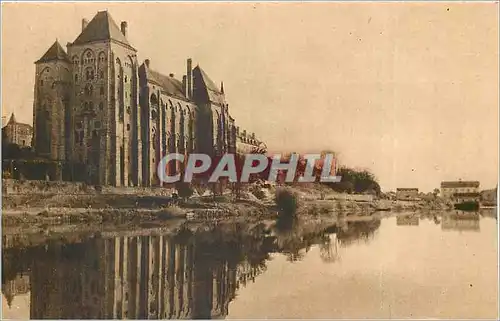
x=88, y=90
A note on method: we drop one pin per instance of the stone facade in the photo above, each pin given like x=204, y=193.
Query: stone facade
x=449, y=189
x=248, y=143
x=406, y=193
x=17, y=133
x=96, y=105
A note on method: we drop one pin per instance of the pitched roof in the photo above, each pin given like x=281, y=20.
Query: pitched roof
x=12, y=119
x=101, y=27
x=214, y=94
x=55, y=52
x=170, y=85
x=456, y=184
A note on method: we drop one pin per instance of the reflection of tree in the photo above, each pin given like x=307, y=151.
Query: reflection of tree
x=294, y=238
x=358, y=231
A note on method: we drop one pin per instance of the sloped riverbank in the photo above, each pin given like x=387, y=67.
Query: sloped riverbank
x=82, y=207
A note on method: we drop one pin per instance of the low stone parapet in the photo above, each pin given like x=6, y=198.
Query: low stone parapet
x=32, y=187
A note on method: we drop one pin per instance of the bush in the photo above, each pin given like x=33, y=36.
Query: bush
x=173, y=211
x=259, y=194
x=287, y=202
x=184, y=189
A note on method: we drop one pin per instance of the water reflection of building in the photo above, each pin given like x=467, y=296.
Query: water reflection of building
x=163, y=276
x=449, y=223
x=135, y=277
x=17, y=286
x=407, y=220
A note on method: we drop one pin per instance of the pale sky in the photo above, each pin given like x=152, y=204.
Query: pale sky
x=407, y=90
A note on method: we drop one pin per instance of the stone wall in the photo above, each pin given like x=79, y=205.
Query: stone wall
x=354, y=197
x=29, y=187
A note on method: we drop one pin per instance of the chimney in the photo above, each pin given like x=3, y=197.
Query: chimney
x=184, y=84
x=222, y=87
x=123, y=28
x=146, y=62
x=189, y=78
x=85, y=22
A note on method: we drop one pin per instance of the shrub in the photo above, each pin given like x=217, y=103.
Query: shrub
x=173, y=211
x=184, y=189
x=259, y=194
x=287, y=202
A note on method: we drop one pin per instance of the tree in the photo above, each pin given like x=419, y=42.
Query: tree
x=356, y=181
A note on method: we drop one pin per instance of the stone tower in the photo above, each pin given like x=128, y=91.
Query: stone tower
x=51, y=110
x=105, y=100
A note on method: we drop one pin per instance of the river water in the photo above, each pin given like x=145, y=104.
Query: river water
x=418, y=266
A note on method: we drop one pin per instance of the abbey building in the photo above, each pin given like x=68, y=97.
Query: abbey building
x=107, y=117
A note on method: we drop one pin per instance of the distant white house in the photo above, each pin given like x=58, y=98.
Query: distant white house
x=450, y=188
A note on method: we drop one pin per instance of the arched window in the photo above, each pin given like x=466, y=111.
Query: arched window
x=102, y=57
x=89, y=73
x=154, y=100
x=101, y=106
x=154, y=138
x=88, y=57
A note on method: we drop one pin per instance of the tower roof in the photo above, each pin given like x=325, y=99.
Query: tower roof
x=101, y=27
x=12, y=119
x=55, y=52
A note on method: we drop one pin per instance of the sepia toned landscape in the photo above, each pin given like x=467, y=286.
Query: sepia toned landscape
x=96, y=95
